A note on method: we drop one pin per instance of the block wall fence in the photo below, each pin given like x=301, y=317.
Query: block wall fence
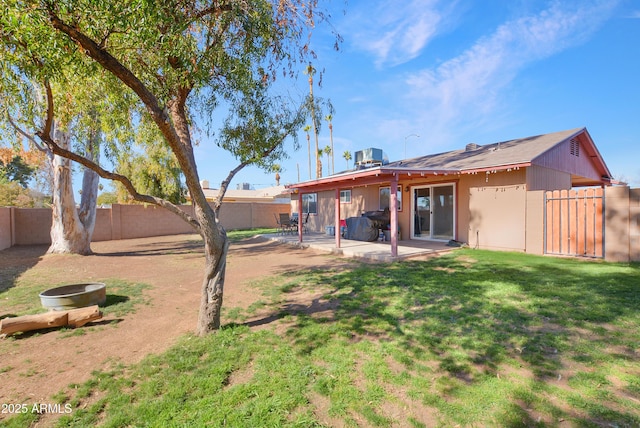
x=31, y=226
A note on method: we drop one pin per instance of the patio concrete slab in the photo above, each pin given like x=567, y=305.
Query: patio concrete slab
x=374, y=251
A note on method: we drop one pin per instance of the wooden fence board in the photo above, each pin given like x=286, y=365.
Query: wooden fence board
x=574, y=223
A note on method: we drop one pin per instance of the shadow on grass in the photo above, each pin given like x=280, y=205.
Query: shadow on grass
x=488, y=308
x=473, y=313
x=16, y=260
x=114, y=299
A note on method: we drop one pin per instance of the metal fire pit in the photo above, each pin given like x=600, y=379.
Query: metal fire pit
x=74, y=296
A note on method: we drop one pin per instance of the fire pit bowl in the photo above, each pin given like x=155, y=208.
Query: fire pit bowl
x=74, y=296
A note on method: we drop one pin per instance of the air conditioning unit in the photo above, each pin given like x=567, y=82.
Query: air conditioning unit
x=370, y=157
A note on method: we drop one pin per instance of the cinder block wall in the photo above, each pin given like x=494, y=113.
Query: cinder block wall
x=617, y=230
x=6, y=232
x=31, y=226
x=634, y=224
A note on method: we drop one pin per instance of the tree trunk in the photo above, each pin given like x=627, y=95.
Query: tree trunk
x=90, y=183
x=71, y=231
x=213, y=284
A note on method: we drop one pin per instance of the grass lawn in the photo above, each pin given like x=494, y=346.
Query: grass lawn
x=473, y=338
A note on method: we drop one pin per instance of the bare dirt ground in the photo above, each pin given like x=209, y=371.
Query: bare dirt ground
x=33, y=367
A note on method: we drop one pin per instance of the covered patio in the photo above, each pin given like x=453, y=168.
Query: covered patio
x=374, y=251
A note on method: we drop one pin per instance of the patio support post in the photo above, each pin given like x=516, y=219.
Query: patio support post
x=337, y=218
x=300, y=219
x=394, y=215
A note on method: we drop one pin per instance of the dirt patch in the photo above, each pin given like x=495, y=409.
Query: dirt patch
x=33, y=367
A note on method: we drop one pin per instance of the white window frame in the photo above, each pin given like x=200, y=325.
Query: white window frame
x=345, y=196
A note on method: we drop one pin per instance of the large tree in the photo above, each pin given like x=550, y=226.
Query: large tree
x=35, y=93
x=182, y=60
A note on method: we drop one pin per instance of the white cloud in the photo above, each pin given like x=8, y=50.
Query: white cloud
x=396, y=32
x=471, y=85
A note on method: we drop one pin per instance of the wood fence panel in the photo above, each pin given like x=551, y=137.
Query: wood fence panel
x=574, y=223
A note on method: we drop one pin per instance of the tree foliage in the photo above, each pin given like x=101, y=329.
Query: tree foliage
x=17, y=171
x=183, y=61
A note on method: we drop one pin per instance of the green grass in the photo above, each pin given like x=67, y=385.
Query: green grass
x=474, y=338
x=240, y=234
x=122, y=296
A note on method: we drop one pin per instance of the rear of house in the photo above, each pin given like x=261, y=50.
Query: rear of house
x=486, y=196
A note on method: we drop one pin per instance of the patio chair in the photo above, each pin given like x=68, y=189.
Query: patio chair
x=285, y=223
x=281, y=227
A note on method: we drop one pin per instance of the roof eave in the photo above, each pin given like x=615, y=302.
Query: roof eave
x=383, y=174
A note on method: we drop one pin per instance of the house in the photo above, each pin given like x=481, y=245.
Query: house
x=244, y=193
x=480, y=195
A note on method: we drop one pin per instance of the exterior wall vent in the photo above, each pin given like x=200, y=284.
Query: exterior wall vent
x=574, y=147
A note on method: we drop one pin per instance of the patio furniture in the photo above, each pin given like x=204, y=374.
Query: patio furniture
x=286, y=225
x=281, y=226
x=367, y=227
x=362, y=229
x=305, y=224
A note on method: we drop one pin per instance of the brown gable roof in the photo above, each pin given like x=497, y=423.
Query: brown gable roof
x=521, y=152
x=506, y=153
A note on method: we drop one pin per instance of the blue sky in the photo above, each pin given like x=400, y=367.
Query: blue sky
x=455, y=72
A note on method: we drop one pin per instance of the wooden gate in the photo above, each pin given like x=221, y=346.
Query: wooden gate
x=574, y=222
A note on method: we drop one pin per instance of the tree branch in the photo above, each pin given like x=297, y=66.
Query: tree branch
x=181, y=148
x=57, y=150
x=225, y=184
x=26, y=135
x=110, y=63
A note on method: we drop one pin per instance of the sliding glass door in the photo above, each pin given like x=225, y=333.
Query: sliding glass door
x=433, y=212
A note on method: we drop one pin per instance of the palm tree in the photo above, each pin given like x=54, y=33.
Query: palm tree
x=311, y=71
x=307, y=129
x=319, y=163
x=347, y=156
x=329, y=118
x=277, y=169
x=327, y=151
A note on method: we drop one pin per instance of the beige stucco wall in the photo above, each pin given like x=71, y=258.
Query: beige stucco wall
x=497, y=217
x=534, y=222
x=31, y=226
